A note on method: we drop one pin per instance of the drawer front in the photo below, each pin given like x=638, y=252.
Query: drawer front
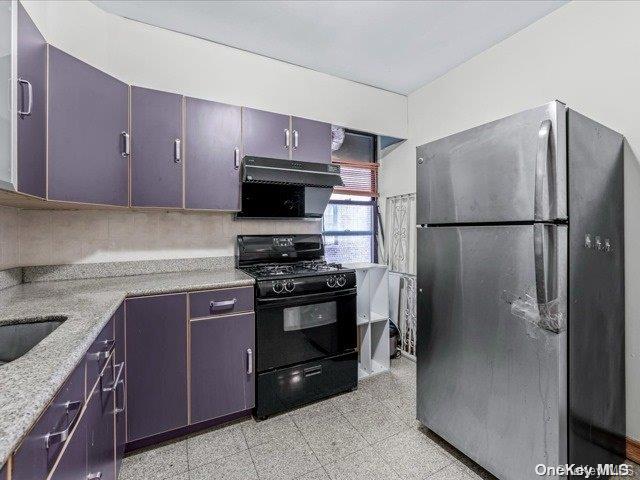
x=220, y=302
x=33, y=460
x=98, y=353
x=280, y=390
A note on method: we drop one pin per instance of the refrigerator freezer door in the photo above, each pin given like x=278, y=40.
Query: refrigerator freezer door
x=513, y=169
x=492, y=375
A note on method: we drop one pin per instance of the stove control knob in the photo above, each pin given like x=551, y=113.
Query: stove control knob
x=278, y=287
x=331, y=282
x=289, y=286
x=341, y=281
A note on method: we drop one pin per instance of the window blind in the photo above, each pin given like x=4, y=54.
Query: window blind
x=359, y=178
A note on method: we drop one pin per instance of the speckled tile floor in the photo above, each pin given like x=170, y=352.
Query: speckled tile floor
x=369, y=434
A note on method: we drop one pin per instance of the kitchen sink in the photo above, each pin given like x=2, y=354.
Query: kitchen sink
x=18, y=338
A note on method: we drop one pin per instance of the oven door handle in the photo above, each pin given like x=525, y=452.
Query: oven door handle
x=311, y=297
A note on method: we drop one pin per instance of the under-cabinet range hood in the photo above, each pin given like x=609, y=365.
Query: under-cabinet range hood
x=275, y=188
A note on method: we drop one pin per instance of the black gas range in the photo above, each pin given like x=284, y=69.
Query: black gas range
x=305, y=321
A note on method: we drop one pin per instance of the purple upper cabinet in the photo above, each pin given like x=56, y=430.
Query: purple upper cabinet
x=310, y=140
x=88, y=120
x=32, y=106
x=156, y=353
x=222, y=371
x=265, y=134
x=156, y=156
x=212, y=164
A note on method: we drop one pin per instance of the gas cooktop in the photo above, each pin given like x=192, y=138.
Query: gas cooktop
x=265, y=271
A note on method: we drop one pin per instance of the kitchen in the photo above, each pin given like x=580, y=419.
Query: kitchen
x=148, y=281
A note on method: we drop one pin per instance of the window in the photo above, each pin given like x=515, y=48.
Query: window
x=350, y=219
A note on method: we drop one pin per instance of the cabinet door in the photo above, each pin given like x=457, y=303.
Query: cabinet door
x=212, y=165
x=264, y=134
x=156, y=155
x=222, y=371
x=35, y=458
x=121, y=439
x=311, y=140
x=32, y=106
x=100, y=429
x=73, y=462
x=156, y=330
x=88, y=113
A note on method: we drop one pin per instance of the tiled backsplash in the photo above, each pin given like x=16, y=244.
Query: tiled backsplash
x=48, y=237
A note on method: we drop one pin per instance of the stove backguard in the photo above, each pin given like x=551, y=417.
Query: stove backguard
x=252, y=249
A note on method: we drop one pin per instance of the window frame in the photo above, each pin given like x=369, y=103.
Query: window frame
x=369, y=201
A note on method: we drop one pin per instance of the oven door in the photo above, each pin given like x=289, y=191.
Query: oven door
x=301, y=328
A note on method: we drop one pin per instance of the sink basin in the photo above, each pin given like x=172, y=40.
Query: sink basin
x=18, y=338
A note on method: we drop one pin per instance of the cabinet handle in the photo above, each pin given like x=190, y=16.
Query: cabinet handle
x=94, y=476
x=312, y=371
x=53, y=438
x=111, y=345
x=27, y=112
x=117, y=380
x=236, y=158
x=249, y=361
x=222, y=305
x=295, y=139
x=127, y=144
x=177, y=152
x=287, y=138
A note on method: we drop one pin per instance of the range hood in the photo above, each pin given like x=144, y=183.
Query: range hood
x=275, y=188
x=288, y=172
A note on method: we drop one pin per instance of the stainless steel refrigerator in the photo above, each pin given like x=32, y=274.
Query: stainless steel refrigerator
x=520, y=341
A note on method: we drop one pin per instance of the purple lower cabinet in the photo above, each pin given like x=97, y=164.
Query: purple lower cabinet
x=156, y=353
x=35, y=457
x=100, y=429
x=222, y=370
x=32, y=103
x=156, y=148
x=311, y=140
x=73, y=462
x=265, y=134
x=88, y=118
x=99, y=352
x=3, y=472
x=121, y=428
x=212, y=165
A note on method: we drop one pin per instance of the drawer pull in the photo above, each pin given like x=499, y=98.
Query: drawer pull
x=312, y=371
x=104, y=354
x=53, y=438
x=94, y=476
x=222, y=305
x=117, y=380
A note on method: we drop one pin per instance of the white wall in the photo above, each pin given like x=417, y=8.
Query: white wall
x=585, y=54
x=156, y=58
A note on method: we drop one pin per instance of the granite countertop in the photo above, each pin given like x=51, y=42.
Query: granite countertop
x=29, y=383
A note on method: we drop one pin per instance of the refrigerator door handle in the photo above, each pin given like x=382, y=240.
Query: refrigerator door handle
x=545, y=244
x=543, y=170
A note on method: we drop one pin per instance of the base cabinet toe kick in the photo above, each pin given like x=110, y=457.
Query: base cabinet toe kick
x=160, y=368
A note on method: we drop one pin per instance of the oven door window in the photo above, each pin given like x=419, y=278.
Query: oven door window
x=310, y=316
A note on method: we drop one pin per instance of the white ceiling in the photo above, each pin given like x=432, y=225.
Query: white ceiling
x=395, y=45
